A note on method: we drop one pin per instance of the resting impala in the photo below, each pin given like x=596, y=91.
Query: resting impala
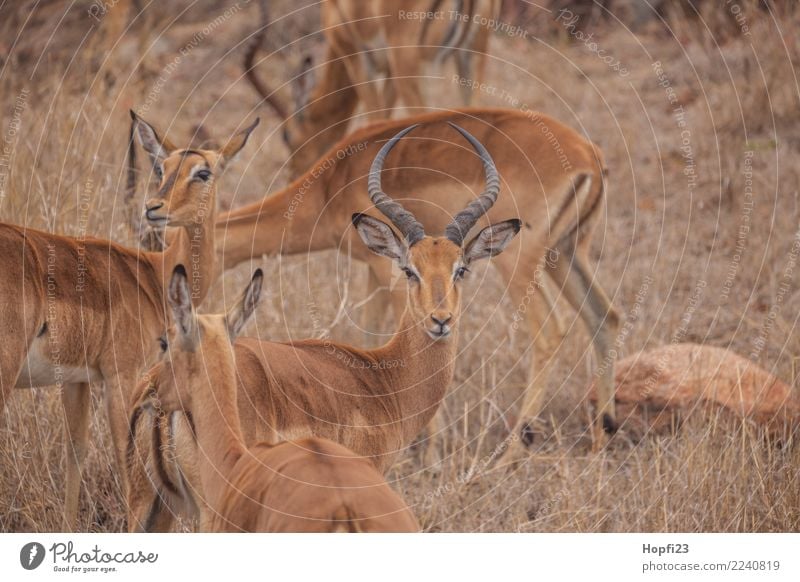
x=555, y=179
x=376, y=52
x=307, y=485
x=76, y=311
x=374, y=402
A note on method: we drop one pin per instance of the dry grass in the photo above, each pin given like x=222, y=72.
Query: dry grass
x=704, y=263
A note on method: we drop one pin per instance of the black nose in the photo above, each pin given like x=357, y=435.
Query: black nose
x=155, y=206
x=441, y=322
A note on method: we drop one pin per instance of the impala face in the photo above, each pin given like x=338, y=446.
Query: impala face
x=195, y=342
x=187, y=178
x=434, y=267
x=185, y=189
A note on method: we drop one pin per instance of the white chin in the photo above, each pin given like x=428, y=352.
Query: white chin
x=438, y=336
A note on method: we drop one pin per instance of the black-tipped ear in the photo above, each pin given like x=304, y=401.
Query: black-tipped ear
x=179, y=298
x=492, y=240
x=380, y=238
x=238, y=141
x=157, y=148
x=240, y=313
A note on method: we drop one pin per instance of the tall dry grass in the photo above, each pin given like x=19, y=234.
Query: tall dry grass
x=686, y=252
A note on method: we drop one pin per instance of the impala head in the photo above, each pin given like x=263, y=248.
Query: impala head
x=434, y=265
x=187, y=177
x=200, y=346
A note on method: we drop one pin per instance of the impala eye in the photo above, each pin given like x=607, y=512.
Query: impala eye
x=412, y=276
x=203, y=175
x=460, y=273
x=162, y=342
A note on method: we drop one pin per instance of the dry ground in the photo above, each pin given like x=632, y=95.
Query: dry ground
x=699, y=243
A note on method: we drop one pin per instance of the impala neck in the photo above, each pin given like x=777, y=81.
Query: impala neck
x=282, y=223
x=422, y=370
x=215, y=414
x=193, y=247
x=332, y=103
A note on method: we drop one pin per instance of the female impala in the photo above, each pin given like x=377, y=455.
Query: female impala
x=77, y=311
x=374, y=402
x=376, y=52
x=306, y=485
x=555, y=182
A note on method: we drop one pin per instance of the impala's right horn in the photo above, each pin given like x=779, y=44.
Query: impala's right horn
x=457, y=230
x=405, y=222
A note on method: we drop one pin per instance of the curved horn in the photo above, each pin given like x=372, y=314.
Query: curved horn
x=408, y=225
x=457, y=230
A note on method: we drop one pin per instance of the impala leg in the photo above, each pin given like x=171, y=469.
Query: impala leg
x=118, y=421
x=571, y=272
x=146, y=510
x=546, y=329
x=77, y=402
x=404, y=63
x=360, y=70
x=464, y=68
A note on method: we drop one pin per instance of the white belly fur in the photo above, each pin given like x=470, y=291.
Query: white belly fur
x=39, y=369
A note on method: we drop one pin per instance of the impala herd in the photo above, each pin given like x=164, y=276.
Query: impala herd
x=246, y=434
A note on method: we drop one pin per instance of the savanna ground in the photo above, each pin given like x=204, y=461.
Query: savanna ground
x=698, y=119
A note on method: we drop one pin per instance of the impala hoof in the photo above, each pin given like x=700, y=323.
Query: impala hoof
x=610, y=425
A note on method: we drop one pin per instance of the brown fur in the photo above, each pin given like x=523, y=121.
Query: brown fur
x=659, y=388
x=83, y=310
x=306, y=485
x=552, y=178
x=374, y=57
x=374, y=402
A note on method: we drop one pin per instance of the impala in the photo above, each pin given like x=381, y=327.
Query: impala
x=330, y=390
x=77, y=311
x=376, y=52
x=556, y=181
x=308, y=485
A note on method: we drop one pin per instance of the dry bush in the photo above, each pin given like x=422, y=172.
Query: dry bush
x=685, y=260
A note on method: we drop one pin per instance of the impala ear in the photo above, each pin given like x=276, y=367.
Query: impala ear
x=179, y=298
x=380, y=238
x=237, y=142
x=240, y=313
x=492, y=240
x=157, y=148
